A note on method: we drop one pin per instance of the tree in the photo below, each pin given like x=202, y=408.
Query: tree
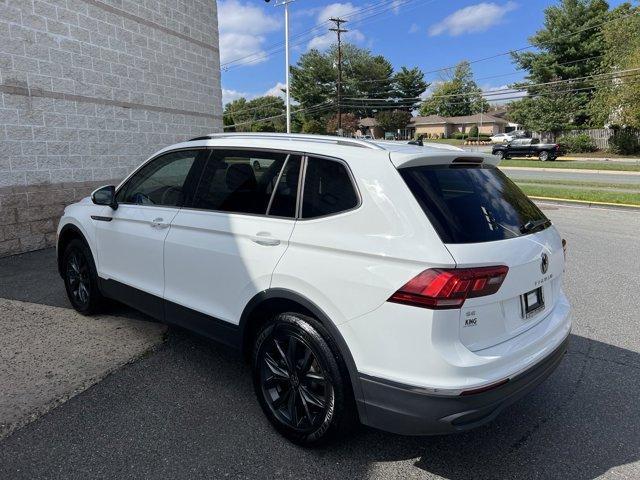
x=560, y=56
x=409, y=84
x=552, y=111
x=350, y=123
x=262, y=114
x=368, y=82
x=392, y=120
x=617, y=102
x=457, y=96
x=314, y=126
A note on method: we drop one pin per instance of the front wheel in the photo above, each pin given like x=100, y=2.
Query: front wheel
x=80, y=278
x=543, y=156
x=300, y=381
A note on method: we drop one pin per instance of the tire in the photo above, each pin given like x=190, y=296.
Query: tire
x=499, y=154
x=301, y=382
x=81, y=278
x=544, y=156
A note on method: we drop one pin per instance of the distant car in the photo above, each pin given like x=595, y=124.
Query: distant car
x=527, y=147
x=501, y=138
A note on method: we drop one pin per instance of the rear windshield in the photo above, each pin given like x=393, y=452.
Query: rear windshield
x=472, y=204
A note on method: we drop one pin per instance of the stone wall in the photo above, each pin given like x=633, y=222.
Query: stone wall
x=89, y=89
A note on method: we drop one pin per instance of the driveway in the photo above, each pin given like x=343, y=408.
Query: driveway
x=188, y=410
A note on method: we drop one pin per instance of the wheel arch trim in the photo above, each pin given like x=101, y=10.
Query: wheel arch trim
x=323, y=318
x=77, y=231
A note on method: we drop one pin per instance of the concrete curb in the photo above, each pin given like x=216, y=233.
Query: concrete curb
x=571, y=170
x=586, y=203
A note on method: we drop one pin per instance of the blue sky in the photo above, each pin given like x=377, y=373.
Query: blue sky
x=430, y=34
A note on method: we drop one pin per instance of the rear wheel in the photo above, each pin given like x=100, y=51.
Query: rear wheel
x=499, y=154
x=299, y=380
x=544, y=156
x=81, y=278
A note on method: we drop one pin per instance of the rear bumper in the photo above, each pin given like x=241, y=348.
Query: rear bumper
x=408, y=410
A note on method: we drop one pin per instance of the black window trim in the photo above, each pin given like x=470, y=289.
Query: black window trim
x=128, y=178
x=303, y=171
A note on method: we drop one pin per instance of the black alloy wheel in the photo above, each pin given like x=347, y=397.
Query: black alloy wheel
x=80, y=278
x=301, y=382
x=294, y=383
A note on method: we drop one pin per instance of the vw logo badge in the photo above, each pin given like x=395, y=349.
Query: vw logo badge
x=544, y=264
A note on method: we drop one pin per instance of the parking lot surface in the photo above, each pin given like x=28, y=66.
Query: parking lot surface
x=188, y=410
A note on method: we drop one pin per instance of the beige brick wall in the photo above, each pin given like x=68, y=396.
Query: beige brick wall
x=88, y=90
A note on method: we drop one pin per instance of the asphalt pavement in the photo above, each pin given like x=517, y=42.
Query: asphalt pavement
x=559, y=174
x=188, y=410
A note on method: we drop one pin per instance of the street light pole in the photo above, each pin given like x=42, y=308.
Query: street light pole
x=286, y=3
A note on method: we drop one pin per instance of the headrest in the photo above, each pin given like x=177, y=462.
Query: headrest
x=240, y=176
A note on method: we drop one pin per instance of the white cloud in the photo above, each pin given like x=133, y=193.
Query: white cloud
x=336, y=10
x=276, y=90
x=229, y=95
x=473, y=19
x=396, y=4
x=502, y=94
x=242, y=31
x=414, y=28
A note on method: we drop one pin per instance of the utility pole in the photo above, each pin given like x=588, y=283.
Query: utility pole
x=339, y=31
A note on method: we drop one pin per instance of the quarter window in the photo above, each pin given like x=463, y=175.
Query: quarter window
x=239, y=181
x=161, y=182
x=328, y=189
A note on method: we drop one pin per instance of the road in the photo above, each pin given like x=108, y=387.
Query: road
x=559, y=175
x=188, y=411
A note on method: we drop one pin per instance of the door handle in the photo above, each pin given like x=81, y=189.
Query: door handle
x=159, y=223
x=265, y=239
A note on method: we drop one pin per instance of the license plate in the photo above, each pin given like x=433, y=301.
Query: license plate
x=532, y=302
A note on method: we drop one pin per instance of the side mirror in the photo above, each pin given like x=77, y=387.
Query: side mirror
x=105, y=196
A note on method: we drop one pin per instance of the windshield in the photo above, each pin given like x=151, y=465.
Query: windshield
x=471, y=204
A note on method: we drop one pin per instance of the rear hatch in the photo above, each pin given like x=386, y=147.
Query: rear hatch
x=484, y=219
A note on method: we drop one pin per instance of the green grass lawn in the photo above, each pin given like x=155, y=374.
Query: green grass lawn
x=535, y=163
x=589, y=195
x=448, y=141
x=578, y=184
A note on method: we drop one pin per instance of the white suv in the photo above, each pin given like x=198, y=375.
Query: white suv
x=413, y=289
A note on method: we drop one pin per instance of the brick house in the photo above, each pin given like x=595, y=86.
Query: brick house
x=88, y=90
x=444, y=127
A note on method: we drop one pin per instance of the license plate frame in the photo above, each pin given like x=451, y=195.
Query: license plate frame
x=531, y=303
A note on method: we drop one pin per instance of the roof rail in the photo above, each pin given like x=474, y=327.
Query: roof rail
x=352, y=142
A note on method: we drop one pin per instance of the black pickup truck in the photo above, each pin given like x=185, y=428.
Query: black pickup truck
x=527, y=147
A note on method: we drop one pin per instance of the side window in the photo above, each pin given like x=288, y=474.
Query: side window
x=535, y=141
x=161, y=181
x=240, y=181
x=286, y=195
x=328, y=189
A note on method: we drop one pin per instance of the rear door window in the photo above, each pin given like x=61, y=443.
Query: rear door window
x=328, y=189
x=240, y=181
x=471, y=204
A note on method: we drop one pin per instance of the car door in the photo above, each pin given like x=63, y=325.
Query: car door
x=131, y=238
x=222, y=250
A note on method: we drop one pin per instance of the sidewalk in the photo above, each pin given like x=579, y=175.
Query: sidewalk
x=49, y=353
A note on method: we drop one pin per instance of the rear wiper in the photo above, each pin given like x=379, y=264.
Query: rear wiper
x=531, y=225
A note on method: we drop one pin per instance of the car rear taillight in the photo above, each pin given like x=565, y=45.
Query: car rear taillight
x=439, y=288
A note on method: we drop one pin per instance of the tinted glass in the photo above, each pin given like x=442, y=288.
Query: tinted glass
x=285, y=199
x=161, y=182
x=470, y=204
x=239, y=181
x=328, y=189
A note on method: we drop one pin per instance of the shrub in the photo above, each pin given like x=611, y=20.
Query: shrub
x=473, y=132
x=625, y=141
x=459, y=135
x=313, y=126
x=577, y=144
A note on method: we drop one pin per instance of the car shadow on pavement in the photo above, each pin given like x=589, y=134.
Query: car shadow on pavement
x=189, y=410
